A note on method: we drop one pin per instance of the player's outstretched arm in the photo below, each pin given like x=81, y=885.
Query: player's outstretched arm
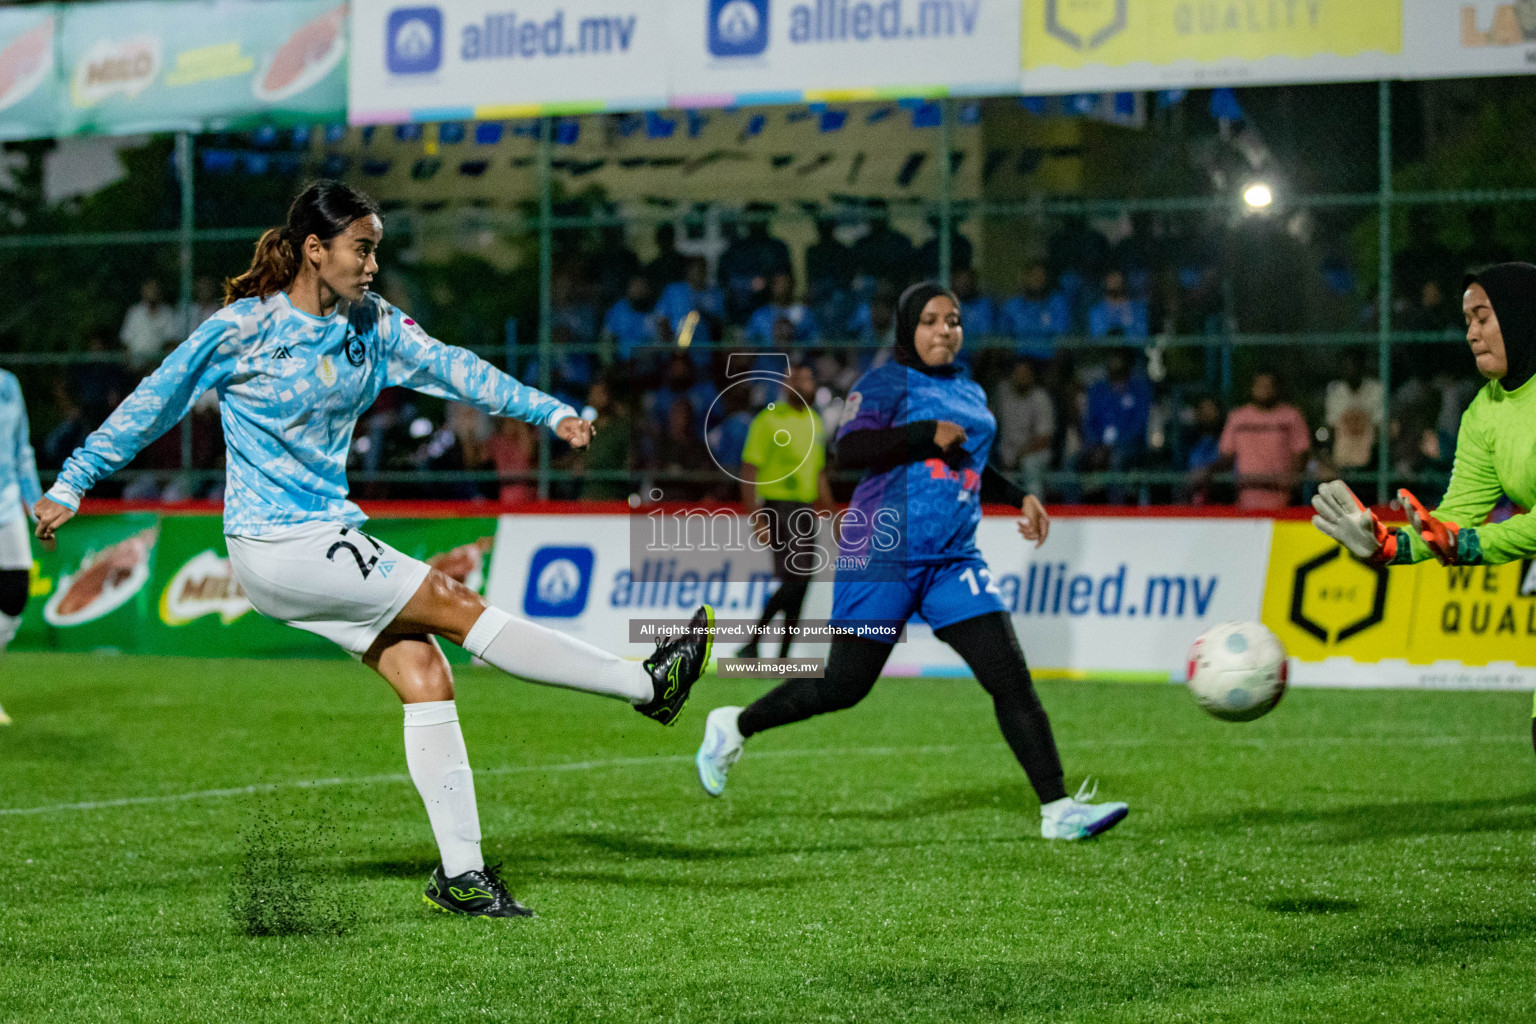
x=1034, y=522
x=1345, y=518
x=50, y=515
x=422, y=363
x=203, y=361
x=1457, y=533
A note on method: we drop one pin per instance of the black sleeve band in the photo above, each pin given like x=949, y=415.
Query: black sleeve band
x=883, y=449
x=998, y=489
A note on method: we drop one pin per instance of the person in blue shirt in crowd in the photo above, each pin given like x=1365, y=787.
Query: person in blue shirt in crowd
x=1202, y=448
x=681, y=385
x=670, y=264
x=979, y=315
x=20, y=491
x=920, y=430
x=300, y=350
x=694, y=295
x=874, y=324
x=1117, y=312
x=1037, y=316
x=728, y=437
x=632, y=323
x=829, y=274
x=749, y=263
x=781, y=305
x=961, y=252
x=883, y=254
x=1115, y=421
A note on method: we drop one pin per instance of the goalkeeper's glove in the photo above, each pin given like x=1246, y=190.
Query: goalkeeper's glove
x=1451, y=544
x=1341, y=516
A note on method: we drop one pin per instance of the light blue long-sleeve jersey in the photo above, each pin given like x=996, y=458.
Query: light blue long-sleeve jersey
x=291, y=387
x=19, y=487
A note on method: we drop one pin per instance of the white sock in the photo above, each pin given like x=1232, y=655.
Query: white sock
x=439, y=765
x=9, y=624
x=542, y=655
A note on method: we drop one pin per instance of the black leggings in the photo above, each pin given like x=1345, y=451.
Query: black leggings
x=789, y=599
x=14, y=584
x=991, y=649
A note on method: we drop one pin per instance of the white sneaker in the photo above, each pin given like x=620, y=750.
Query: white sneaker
x=5, y=719
x=1073, y=817
x=720, y=749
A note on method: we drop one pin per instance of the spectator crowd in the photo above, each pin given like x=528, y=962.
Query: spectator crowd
x=674, y=356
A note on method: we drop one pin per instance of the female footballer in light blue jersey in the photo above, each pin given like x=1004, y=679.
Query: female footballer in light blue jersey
x=301, y=350
x=19, y=491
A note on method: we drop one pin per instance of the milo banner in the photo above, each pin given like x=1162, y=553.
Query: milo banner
x=201, y=66
x=192, y=65
x=29, y=87
x=149, y=584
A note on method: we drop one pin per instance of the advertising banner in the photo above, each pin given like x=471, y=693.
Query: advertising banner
x=150, y=584
x=1428, y=625
x=1106, y=597
x=726, y=52
x=29, y=86
x=1474, y=37
x=1104, y=45
x=199, y=66
x=488, y=59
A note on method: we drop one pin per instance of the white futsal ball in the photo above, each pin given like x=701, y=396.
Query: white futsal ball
x=1237, y=671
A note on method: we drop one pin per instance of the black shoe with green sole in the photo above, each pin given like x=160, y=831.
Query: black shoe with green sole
x=474, y=893
x=677, y=665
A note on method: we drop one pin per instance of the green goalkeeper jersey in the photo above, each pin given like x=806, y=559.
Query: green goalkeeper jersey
x=1495, y=455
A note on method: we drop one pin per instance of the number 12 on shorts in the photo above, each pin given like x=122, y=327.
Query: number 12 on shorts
x=986, y=584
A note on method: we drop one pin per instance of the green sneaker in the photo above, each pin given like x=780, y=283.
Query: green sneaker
x=474, y=893
x=677, y=665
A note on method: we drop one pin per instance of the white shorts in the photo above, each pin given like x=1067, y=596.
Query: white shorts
x=328, y=579
x=16, y=543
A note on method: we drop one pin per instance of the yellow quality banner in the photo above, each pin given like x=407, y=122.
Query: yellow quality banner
x=1322, y=603
x=1078, y=33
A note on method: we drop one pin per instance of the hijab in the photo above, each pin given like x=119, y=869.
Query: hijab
x=1511, y=289
x=909, y=313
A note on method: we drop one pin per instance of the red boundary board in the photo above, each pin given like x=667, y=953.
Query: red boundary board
x=482, y=509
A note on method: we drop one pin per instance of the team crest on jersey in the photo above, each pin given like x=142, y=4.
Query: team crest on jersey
x=327, y=371
x=357, y=352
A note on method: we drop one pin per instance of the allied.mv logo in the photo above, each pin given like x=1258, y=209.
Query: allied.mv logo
x=413, y=40
x=738, y=28
x=559, y=579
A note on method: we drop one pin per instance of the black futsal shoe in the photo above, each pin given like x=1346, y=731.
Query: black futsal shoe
x=677, y=665
x=474, y=894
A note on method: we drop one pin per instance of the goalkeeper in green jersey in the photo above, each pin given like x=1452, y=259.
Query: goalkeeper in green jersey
x=1493, y=449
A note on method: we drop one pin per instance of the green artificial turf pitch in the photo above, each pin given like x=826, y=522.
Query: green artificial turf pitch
x=1353, y=856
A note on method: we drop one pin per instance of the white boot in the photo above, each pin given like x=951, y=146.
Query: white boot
x=720, y=749
x=1073, y=817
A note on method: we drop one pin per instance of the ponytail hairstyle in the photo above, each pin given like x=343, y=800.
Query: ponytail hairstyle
x=324, y=209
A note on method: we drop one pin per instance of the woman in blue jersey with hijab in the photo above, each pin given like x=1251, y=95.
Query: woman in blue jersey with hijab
x=301, y=349
x=19, y=491
x=919, y=428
